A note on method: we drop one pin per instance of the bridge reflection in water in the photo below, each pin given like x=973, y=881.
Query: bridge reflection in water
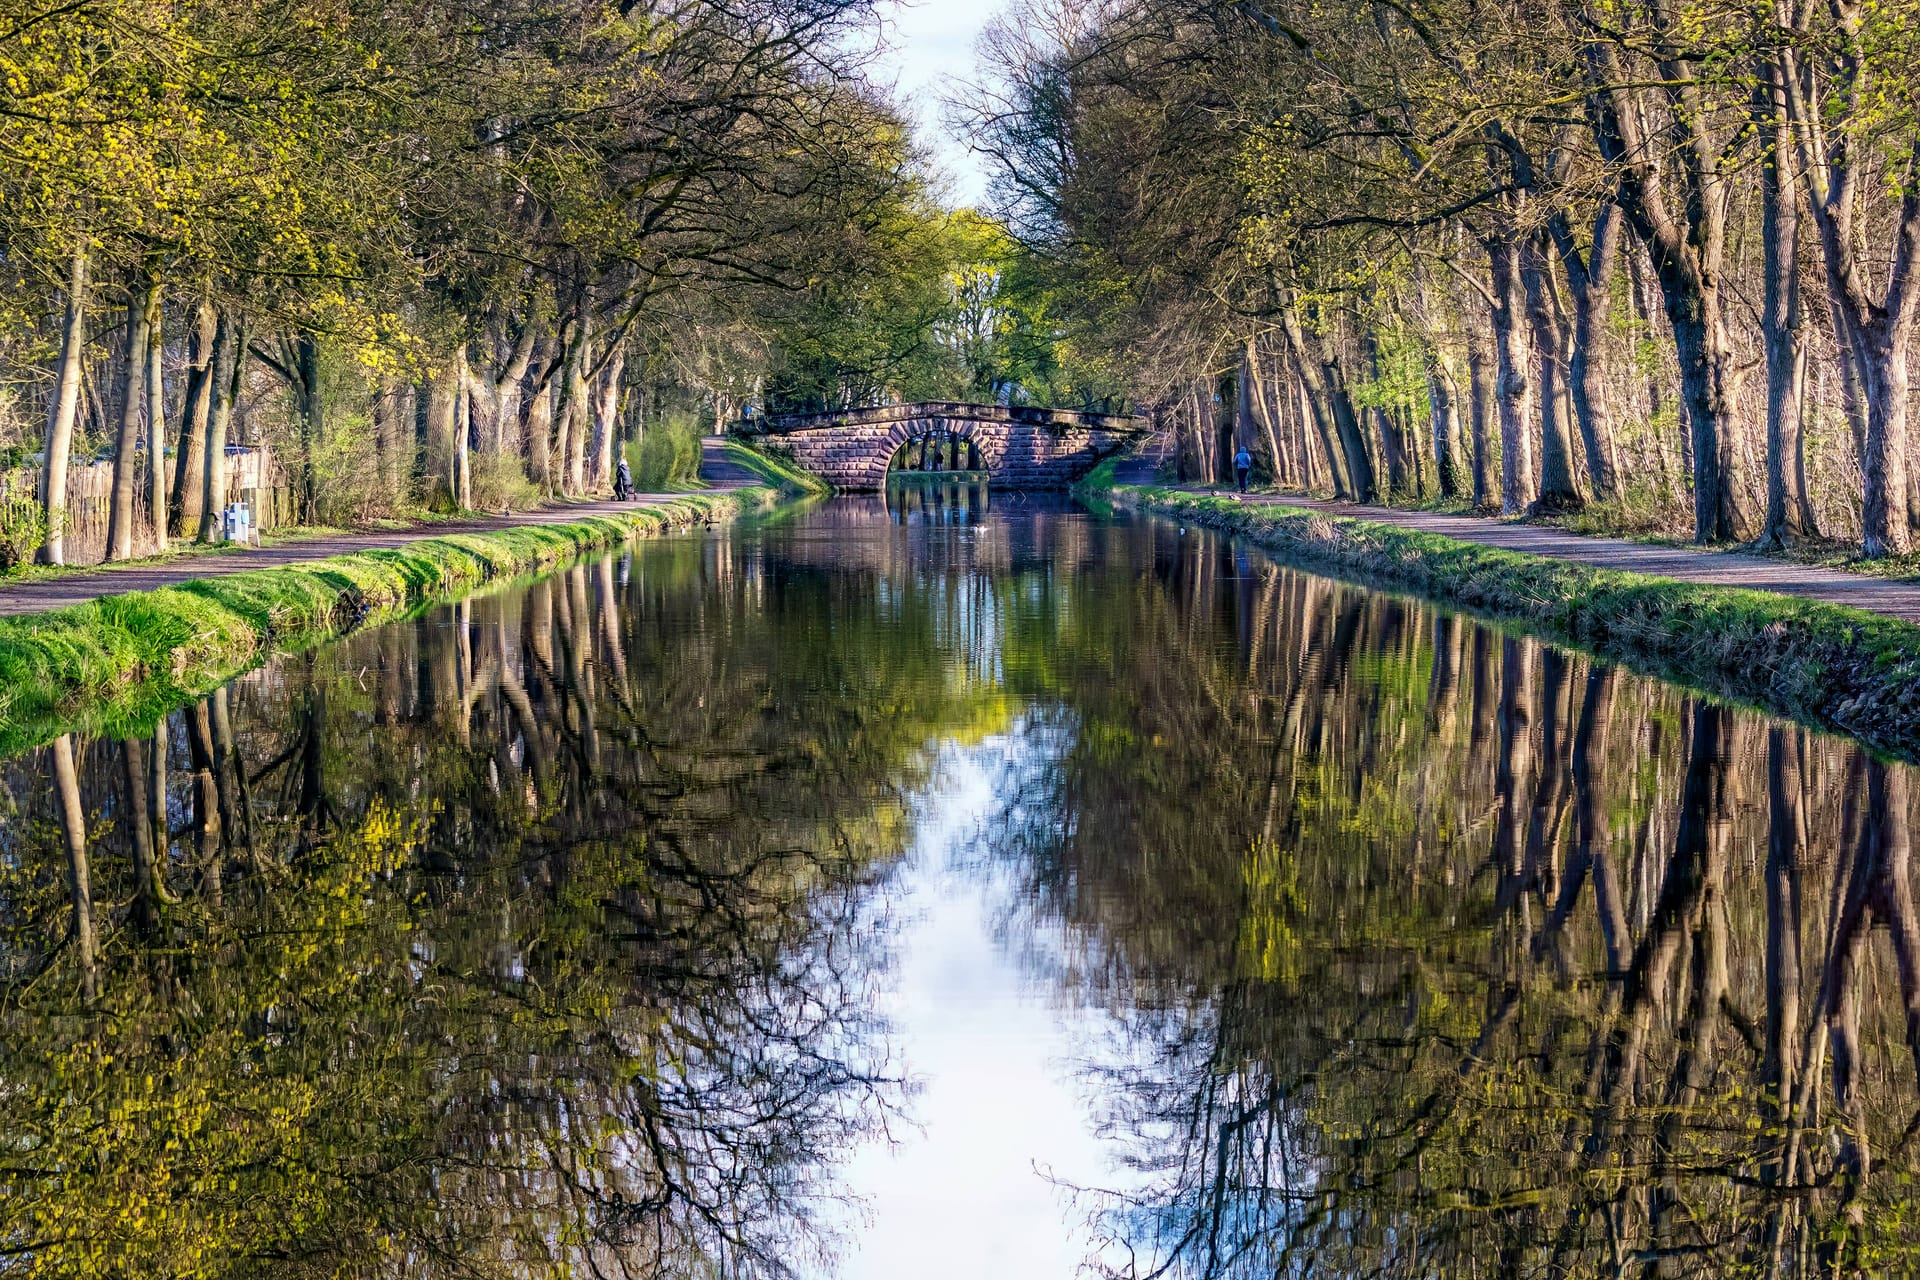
x=924, y=500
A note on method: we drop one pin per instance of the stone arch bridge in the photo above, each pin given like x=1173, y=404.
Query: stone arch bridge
x=1020, y=448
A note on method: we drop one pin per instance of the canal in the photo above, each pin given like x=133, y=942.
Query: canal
x=954, y=886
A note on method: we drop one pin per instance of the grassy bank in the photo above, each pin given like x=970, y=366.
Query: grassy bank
x=1831, y=666
x=774, y=470
x=114, y=664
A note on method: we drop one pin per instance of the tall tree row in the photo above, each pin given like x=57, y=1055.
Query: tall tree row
x=1659, y=258
x=459, y=250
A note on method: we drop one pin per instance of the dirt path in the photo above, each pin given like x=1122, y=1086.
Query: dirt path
x=1893, y=597
x=78, y=588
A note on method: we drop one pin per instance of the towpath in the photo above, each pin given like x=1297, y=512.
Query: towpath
x=79, y=587
x=1894, y=597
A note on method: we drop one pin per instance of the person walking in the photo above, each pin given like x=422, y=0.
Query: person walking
x=1243, y=467
x=623, y=483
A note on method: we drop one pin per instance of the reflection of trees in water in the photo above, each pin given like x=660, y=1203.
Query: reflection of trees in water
x=1434, y=952
x=540, y=934
x=543, y=931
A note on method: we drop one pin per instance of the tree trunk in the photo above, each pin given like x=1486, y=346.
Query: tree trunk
x=508, y=389
x=1313, y=385
x=309, y=396
x=1353, y=440
x=1884, y=388
x=459, y=460
x=1510, y=381
x=606, y=411
x=1254, y=395
x=540, y=436
x=1399, y=483
x=1443, y=413
x=393, y=412
x=228, y=367
x=1590, y=282
x=63, y=410
x=1780, y=317
x=1480, y=420
x=1875, y=332
x=1200, y=397
x=126, y=443
x=1559, y=488
x=1687, y=248
x=190, y=459
x=1316, y=469
x=570, y=437
x=1708, y=391
x=156, y=419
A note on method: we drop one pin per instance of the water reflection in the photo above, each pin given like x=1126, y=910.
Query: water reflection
x=922, y=500
x=536, y=936
x=547, y=934
x=1435, y=952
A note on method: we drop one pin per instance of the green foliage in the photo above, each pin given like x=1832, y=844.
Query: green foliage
x=23, y=529
x=1400, y=385
x=350, y=484
x=501, y=484
x=944, y=306
x=667, y=456
x=869, y=334
x=314, y=172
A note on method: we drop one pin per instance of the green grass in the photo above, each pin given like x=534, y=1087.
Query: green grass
x=1839, y=668
x=115, y=664
x=780, y=473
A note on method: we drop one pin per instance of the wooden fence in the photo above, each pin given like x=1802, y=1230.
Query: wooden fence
x=253, y=476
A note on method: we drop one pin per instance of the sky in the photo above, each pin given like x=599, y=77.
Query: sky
x=969, y=1192
x=930, y=46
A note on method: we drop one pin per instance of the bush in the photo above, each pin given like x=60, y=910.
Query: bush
x=500, y=482
x=23, y=529
x=667, y=456
x=348, y=486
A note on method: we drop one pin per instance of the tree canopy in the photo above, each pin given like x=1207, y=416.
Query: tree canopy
x=1658, y=258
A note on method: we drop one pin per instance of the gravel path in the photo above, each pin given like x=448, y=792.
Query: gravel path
x=1896, y=598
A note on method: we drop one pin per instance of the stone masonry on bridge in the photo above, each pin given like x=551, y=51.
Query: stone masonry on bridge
x=1021, y=448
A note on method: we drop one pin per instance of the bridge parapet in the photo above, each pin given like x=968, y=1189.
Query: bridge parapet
x=1021, y=447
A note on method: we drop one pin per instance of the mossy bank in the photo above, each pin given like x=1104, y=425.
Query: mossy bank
x=113, y=664
x=1831, y=666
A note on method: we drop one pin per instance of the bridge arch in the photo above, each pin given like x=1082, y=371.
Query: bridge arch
x=1020, y=448
x=988, y=446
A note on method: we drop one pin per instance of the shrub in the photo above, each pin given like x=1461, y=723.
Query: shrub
x=23, y=529
x=667, y=455
x=500, y=481
x=348, y=486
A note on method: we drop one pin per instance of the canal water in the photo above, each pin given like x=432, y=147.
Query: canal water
x=955, y=887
